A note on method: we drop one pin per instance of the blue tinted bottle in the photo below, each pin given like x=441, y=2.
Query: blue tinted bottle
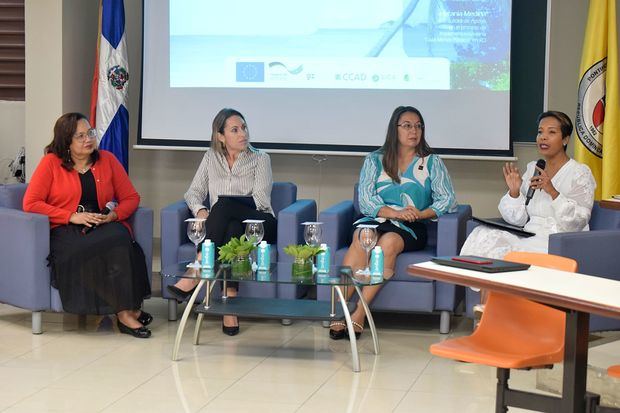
x=323, y=259
x=208, y=254
x=376, y=264
x=263, y=256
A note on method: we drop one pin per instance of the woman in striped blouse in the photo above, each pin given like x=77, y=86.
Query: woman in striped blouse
x=401, y=185
x=230, y=167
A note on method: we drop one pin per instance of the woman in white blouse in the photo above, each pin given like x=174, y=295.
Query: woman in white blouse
x=562, y=200
x=230, y=167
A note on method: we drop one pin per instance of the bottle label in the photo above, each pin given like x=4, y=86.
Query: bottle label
x=322, y=262
x=263, y=258
x=376, y=264
x=208, y=255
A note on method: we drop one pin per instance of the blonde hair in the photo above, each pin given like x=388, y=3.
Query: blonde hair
x=219, y=121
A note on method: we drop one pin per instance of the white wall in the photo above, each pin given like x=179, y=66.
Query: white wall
x=61, y=37
x=59, y=66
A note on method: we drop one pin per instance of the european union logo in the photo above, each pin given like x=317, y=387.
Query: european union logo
x=250, y=72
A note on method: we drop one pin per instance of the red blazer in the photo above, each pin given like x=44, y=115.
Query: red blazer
x=56, y=192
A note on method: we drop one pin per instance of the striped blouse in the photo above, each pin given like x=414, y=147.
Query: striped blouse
x=425, y=184
x=249, y=175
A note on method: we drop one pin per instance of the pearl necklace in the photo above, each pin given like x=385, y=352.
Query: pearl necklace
x=82, y=171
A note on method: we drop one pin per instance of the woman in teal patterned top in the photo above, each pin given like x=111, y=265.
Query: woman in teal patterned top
x=401, y=185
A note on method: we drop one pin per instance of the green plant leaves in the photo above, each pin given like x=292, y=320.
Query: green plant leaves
x=302, y=251
x=236, y=247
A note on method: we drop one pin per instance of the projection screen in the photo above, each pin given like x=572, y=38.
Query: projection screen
x=325, y=76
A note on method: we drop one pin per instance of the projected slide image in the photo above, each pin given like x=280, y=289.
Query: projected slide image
x=340, y=44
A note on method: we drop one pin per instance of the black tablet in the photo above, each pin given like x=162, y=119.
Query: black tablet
x=499, y=223
x=483, y=264
x=247, y=200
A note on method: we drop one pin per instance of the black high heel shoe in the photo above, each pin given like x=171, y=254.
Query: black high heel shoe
x=179, y=294
x=337, y=334
x=140, y=332
x=231, y=331
x=144, y=318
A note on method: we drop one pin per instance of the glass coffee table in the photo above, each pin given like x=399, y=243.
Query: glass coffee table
x=340, y=279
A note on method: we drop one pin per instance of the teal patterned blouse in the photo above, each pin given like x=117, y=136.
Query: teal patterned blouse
x=426, y=183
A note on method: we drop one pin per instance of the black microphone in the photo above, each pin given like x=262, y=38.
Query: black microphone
x=530, y=192
x=109, y=207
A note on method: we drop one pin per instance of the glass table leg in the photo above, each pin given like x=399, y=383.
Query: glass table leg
x=371, y=322
x=188, y=310
x=201, y=316
x=355, y=358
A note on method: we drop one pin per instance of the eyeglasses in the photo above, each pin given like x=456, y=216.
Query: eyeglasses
x=408, y=126
x=89, y=134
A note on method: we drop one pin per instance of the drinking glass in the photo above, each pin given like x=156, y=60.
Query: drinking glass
x=312, y=233
x=196, y=232
x=254, y=231
x=367, y=236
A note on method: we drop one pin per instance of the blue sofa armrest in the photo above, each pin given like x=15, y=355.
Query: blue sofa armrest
x=471, y=225
x=289, y=229
x=173, y=231
x=451, y=231
x=142, y=224
x=337, y=221
x=596, y=252
x=24, y=247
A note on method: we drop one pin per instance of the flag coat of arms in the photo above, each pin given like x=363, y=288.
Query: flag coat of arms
x=597, y=124
x=108, y=106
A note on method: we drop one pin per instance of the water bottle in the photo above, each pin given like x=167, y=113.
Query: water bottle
x=207, y=273
x=323, y=260
x=208, y=254
x=376, y=264
x=263, y=257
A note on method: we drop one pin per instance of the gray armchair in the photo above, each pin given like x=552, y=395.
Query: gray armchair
x=596, y=252
x=24, y=247
x=176, y=247
x=403, y=293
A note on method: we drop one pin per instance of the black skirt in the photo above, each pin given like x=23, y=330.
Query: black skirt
x=102, y=272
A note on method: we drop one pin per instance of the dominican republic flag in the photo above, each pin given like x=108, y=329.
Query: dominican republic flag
x=108, y=103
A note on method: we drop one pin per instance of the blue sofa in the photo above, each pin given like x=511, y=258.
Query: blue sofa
x=176, y=247
x=596, y=251
x=403, y=293
x=24, y=247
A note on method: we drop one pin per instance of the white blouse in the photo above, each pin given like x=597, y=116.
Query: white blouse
x=249, y=175
x=544, y=216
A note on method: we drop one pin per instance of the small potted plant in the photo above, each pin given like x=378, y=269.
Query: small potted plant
x=236, y=252
x=303, y=254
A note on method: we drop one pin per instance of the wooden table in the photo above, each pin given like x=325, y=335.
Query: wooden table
x=576, y=294
x=606, y=203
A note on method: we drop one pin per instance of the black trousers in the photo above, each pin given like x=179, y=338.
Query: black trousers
x=225, y=221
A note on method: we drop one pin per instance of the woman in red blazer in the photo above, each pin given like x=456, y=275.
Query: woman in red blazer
x=95, y=264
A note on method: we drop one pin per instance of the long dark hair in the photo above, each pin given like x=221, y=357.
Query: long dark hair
x=64, y=129
x=390, y=146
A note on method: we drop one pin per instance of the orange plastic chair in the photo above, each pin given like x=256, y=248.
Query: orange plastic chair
x=614, y=371
x=514, y=332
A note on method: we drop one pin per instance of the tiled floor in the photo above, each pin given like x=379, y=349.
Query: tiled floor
x=267, y=367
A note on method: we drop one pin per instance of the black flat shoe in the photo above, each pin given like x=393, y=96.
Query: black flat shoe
x=338, y=334
x=140, y=332
x=145, y=318
x=230, y=331
x=179, y=294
